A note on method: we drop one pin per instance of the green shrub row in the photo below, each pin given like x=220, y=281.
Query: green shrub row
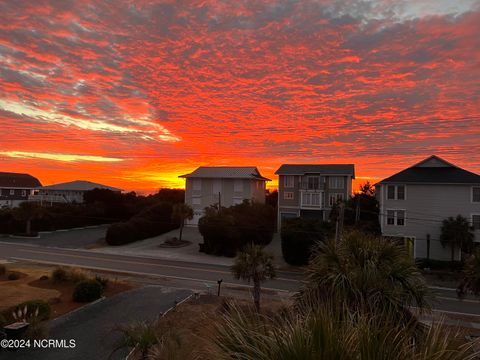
x=299, y=238
x=153, y=221
x=229, y=230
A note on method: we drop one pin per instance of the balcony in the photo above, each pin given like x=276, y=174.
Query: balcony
x=48, y=198
x=311, y=199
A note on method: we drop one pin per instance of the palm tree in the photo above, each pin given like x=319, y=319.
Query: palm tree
x=329, y=331
x=182, y=212
x=457, y=232
x=28, y=211
x=368, y=274
x=256, y=265
x=140, y=335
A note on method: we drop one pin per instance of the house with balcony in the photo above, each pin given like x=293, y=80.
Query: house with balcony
x=15, y=188
x=311, y=190
x=68, y=192
x=414, y=202
x=225, y=185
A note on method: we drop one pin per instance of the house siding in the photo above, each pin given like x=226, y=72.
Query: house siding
x=426, y=205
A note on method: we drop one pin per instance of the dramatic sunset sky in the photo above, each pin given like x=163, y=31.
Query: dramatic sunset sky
x=134, y=93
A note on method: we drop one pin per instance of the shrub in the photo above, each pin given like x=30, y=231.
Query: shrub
x=13, y=276
x=87, y=290
x=439, y=264
x=43, y=307
x=3, y=269
x=299, y=237
x=59, y=274
x=77, y=275
x=227, y=231
x=102, y=281
x=153, y=221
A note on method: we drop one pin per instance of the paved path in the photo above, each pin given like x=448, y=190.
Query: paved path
x=190, y=272
x=69, y=239
x=92, y=327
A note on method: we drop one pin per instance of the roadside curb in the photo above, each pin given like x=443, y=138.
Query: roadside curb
x=130, y=354
x=86, y=306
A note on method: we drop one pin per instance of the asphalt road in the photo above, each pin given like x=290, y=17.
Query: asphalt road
x=189, y=272
x=93, y=327
x=69, y=239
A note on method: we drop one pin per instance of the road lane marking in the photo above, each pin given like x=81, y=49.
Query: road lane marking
x=149, y=274
x=141, y=263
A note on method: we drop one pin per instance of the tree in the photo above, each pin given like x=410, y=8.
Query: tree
x=182, y=212
x=457, y=232
x=368, y=274
x=471, y=276
x=256, y=265
x=28, y=211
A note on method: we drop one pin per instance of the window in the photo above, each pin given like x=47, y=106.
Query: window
x=390, y=217
x=24, y=192
x=238, y=185
x=12, y=192
x=396, y=217
x=334, y=198
x=196, y=200
x=476, y=221
x=476, y=194
x=313, y=182
x=311, y=199
x=237, y=201
x=288, y=195
x=197, y=184
x=336, y=182
x=391, y=192
x=289, y=181
x=396, y=192
x=400, y=192
x=401, y=217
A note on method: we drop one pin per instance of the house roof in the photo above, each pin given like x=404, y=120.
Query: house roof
x=226, y=172
x=434, y=170
x=17, y=180
x=324, y=169
x=78, y=185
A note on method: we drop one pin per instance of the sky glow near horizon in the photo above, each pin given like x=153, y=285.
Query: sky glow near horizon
x=134, y=93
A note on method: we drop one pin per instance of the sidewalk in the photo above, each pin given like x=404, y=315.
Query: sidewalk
x=151, y=248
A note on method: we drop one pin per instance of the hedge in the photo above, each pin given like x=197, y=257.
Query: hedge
x=154, y=221
x=299, y=237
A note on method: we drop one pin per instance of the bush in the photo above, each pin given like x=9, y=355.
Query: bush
x=228, y=231
x=154, y=221
x=102, y=281
x=43, y=307
x=423, y=263
x=59, y=274
x=87, y=290
x=13, y=276
x=77, y=275
x=3, y=269
x=299, y=237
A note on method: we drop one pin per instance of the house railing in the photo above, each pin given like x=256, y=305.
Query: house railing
x=47, y=198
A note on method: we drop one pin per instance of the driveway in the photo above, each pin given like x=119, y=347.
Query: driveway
x=92, y=327
x=151, y=248
x=69, y=239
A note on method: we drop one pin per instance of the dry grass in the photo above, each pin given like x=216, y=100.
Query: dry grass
x=36, y=284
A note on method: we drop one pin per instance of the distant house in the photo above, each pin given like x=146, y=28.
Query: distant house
x=414, y=202
x=310, y=190
x=68, y=192
x=222, y=184
x=16, y=188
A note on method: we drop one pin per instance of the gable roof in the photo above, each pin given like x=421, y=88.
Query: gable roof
x=78, y=185
x=434, y=170
x=17, y=180
x=226, y=172
x=324, y=169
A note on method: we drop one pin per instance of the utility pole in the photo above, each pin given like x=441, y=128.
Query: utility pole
x=357, y=209
x=339, y=223
x=219, y=202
